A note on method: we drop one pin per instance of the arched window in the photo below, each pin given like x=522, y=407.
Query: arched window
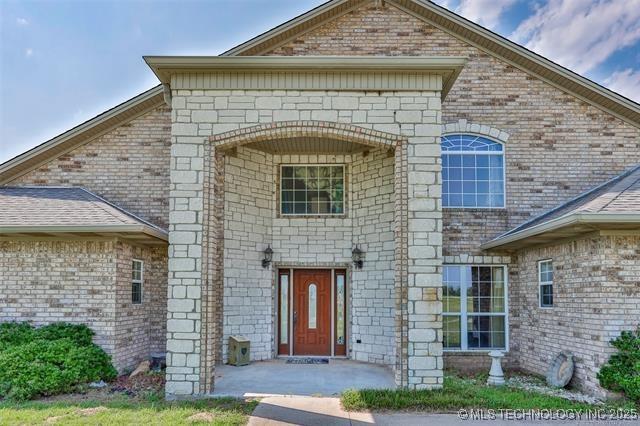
x=472, y=172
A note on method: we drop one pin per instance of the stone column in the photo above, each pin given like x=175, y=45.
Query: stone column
x=424, y=240
x=185, y=253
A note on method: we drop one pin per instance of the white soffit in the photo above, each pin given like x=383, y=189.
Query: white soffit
x=398, y=73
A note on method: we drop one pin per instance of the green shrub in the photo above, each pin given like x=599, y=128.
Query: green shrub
x=622, y=372
x=49, y=360
x=79, y=333
x=20, y=333
x=15, y=333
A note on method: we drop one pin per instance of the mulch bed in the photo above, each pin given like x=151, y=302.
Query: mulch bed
x=136, y=387
x=142, y=383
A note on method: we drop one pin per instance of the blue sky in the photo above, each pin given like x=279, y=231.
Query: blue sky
x=65, y=61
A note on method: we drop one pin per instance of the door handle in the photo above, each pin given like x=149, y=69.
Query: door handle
x=295, y=317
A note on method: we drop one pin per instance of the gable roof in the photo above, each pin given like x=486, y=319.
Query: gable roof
x=615, y=205
x=81, y=134
x=55, y=211
x=482, y=38
x=470, y=32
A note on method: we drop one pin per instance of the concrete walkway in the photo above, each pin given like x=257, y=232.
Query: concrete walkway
x=276, y=377
x=283, y=410
x=310, y=411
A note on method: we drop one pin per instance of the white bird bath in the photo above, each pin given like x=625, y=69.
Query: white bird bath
x=496, y=375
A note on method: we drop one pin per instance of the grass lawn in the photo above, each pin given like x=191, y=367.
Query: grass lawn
x=127, y=411
x=460, y=393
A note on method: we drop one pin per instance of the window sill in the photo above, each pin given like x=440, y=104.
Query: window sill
x=312, y=216
x=472, y=352
x=481, y=209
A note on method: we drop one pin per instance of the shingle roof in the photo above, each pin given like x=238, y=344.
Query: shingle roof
x=620, y=194
x=618, y=198
x=526, y=60
x=47, y=209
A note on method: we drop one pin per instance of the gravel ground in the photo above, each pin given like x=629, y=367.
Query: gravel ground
x=537, y=385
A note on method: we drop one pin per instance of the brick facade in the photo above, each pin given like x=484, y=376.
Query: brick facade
x=140, y=329
x=546, y=126
x=87, y=282
x=132, y=156
x=595, y=297
x=199, y=113
x=221, y=209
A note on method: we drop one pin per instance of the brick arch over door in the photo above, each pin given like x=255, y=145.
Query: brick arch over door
x=213, y=225
x=299, y=129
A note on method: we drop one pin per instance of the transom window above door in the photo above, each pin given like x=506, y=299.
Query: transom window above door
x=312, y=190
x=472, y=172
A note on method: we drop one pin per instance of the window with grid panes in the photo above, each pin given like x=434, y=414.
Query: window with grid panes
x=312, y=190
x=474, y=307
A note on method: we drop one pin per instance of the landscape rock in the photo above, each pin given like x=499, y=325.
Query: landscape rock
x=561, y=370
x=532, y=384
x=142, y=368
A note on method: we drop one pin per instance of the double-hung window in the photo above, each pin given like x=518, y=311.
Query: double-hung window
x=312, y=190
x=545, y=283
x=475, y=307
x=137, y=272
x=472, y=172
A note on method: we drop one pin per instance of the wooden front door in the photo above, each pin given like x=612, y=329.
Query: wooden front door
x=312, y=312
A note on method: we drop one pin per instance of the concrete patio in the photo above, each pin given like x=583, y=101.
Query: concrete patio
x=276, y=377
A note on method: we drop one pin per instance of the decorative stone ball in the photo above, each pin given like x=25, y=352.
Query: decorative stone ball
x=561, y=370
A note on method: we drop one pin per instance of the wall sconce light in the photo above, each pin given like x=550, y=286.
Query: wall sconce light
x=268, y=256
x=357, y=256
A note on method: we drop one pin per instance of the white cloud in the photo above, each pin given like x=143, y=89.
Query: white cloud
x=22, y=21
x=28, y=52
x=484, y=12
x=581, y=34
x=625, y=82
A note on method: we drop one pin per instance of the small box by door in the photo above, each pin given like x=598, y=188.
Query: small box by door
x=239, y=351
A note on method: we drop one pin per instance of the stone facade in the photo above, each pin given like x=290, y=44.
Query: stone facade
x=595, y=295
x=87, y=282
x=248, y=220
x=252, y=221
x=198, y=114
x=221, y=208
x=373, y=287
x=546, y=126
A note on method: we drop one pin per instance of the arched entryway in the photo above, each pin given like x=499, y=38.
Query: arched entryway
x=292, y=141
